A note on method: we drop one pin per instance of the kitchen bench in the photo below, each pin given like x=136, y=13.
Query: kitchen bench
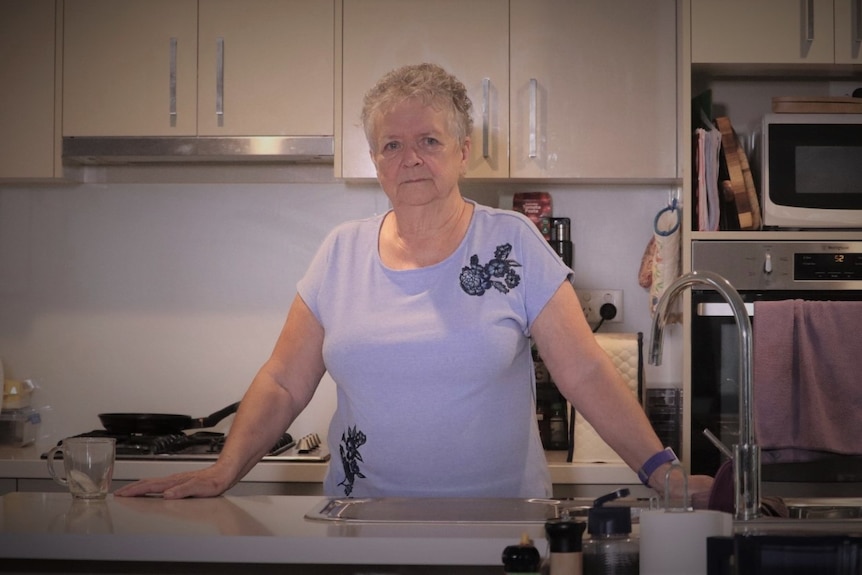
x=22, y=469
x=49, y=531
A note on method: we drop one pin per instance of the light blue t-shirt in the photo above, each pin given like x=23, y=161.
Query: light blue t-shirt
x=433, y=370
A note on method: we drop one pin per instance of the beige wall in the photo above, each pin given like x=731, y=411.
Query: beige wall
x=167, y=297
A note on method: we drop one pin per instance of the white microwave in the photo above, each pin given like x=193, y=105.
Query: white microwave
x=811, y=171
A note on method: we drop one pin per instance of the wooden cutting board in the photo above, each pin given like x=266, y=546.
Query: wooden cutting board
x=817, y=105
x=741, y=182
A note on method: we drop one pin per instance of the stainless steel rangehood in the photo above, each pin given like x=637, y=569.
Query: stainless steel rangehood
x=262, y=149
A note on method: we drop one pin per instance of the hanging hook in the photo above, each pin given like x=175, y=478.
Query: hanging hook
x=673, y=206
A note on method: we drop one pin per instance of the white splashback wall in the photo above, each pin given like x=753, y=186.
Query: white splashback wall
x=167, y=298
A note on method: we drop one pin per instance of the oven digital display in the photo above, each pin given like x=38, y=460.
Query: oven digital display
x=840, y=266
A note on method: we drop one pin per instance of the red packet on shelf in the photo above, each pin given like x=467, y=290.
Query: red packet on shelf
x=538, y=207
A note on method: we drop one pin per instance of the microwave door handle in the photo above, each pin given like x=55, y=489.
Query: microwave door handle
x=720, y=309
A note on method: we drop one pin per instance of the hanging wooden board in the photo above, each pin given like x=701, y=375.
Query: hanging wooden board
x=817, y=105
x=748, y=212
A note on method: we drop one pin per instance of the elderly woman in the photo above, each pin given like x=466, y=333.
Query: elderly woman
x=423, y=318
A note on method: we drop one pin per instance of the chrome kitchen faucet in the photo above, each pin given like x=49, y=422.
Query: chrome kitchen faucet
x=746, y=454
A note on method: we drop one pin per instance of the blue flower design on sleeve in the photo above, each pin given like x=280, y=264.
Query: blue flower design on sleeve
x=499, y=273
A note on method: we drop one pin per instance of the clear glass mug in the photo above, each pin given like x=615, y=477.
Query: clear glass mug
x=88, y=463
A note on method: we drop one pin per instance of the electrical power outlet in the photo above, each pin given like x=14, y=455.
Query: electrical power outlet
x=838, y=88
x=592, y=301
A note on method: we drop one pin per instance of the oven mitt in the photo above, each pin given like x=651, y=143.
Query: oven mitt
x=660, y=265
x=645, y=271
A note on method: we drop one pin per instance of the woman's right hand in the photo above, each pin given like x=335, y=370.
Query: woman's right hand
x=208, y=482
x=276, y=396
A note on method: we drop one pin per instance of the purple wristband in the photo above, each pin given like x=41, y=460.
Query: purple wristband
x=666, y=455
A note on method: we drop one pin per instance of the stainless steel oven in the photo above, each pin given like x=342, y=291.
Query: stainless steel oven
x=759, y=270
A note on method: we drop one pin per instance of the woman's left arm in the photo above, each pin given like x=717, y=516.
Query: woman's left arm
x=588, y=379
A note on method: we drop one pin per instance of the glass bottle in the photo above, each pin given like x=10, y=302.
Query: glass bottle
x=611, y=549
x=558, y=432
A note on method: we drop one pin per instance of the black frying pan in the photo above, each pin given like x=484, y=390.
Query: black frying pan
x=160, y=423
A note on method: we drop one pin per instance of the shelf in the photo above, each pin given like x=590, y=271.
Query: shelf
x=782, y=235
x=777, y=71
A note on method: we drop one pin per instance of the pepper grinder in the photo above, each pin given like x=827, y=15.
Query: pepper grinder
x=565, y=539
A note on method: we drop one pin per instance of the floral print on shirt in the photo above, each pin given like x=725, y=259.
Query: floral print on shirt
x=499, y=273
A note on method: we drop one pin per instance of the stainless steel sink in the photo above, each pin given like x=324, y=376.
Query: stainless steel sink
x=824, y=508
x=459, y=510
x=810, y=515
x=436, y=510
x=824, y=514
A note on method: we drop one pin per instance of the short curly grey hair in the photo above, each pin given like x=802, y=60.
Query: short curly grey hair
x=431, y=84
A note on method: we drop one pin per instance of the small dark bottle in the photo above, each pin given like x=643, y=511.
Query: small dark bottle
x=544, y=391
x=561, y=240
x=543, y=420
x=558, y=429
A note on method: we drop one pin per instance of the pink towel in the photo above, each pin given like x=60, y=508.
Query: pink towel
x=808, y=378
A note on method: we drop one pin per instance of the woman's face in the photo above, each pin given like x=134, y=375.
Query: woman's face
x=418, y=158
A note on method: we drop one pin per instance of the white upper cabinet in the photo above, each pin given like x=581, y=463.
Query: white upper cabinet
x=581, y=89
x=593, y=89
x=130, y=68
x=183, y=67
x=28, y=146
x=848, y=31
x=775, y=31
x=469, y=39
x=278, y=66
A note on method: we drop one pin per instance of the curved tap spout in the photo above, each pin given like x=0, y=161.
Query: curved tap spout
x=746, y=454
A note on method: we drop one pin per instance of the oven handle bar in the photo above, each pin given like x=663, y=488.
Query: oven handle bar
x=720, y=309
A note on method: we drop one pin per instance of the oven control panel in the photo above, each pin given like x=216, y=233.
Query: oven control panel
x=782, y=265
x=828, y=267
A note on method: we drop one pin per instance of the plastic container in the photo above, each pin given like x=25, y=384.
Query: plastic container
x=611, y=549
x=19, y=427
x=17, y=394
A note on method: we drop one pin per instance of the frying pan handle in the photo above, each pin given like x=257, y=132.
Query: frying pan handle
x=211, y=420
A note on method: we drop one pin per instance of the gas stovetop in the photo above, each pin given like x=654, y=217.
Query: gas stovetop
x=206, y=445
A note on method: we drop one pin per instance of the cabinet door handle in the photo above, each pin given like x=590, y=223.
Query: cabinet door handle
x=486, y=117
x=534, y=89
x=809, y=20
x=219, y=106
x=172, y=96
x=857, y=22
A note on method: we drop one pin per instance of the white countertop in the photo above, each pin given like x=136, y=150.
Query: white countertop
x=266, y=529
x=26, y=462
x=249, y=529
